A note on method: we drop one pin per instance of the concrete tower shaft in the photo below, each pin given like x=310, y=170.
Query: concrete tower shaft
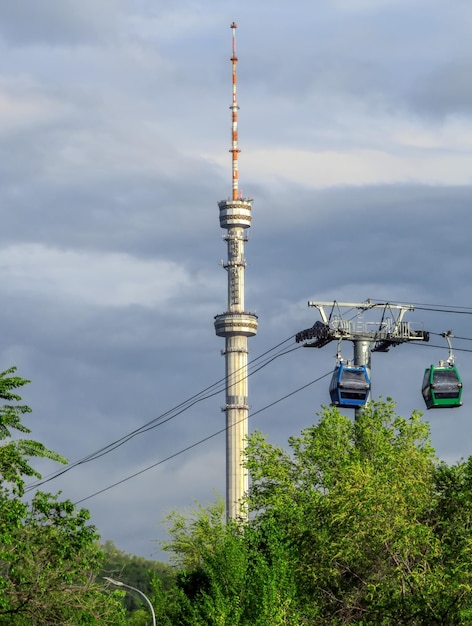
x=236, y=324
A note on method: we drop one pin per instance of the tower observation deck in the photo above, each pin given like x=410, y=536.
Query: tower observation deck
x=236, y=324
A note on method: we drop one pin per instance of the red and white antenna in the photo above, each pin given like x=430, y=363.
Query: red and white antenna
x=234, y=108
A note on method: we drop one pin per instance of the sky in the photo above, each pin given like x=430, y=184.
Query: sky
x=355, y=130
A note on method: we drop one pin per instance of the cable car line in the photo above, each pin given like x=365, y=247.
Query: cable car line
x=219, y=386
x=437, y=310
x=164, y=417
x=146, y=427
x=463, y=338
x=435, y=307
x=455, y=336
x=197, y=443
x=432, y=345
x=151, y=427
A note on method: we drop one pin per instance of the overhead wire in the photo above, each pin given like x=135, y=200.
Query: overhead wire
x=215, y=389
x=200, y=441
x=437, y=308
x=430, y=345
x=158, y=421
x=442, y=308
x=424, y=344
x=168, y=415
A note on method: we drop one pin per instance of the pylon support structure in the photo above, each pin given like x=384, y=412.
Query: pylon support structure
x=236, y=324
x=367, y=337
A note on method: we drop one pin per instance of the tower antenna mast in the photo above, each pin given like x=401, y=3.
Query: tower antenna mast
x=234, y=108
x=235, y=324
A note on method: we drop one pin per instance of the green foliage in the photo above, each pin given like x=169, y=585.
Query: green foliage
x=230, y=574
x=48, y=565
x=14, y=454
x=140, y=617
x=194, y=534
x=356, y=524
x=49, y=555
x=137, y=572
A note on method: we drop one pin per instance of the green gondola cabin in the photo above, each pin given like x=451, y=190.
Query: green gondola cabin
x=442, y=387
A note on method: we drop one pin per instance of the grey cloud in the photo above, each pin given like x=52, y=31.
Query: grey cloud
x=390, y=234
x=53, y=22
x=152, y=116
x=446, y=90
x=383, y=58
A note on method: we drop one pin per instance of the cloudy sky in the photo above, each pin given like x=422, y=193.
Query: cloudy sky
x=356, y=144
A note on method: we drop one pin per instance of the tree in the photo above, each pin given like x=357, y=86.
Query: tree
x=229, y=574
x=137, y=572
x=365, y=505
x=49, y=553
x=357, y=523
x=15, y=454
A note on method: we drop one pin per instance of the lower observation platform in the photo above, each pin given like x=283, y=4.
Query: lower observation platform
x=236, y=324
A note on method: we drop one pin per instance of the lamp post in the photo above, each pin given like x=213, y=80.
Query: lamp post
x=118, y=583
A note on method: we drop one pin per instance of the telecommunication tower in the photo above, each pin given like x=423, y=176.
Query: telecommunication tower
x=236, y=324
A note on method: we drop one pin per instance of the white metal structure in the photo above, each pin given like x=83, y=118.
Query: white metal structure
x=236, y=324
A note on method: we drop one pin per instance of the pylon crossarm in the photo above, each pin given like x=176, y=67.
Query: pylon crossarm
x=391, y=331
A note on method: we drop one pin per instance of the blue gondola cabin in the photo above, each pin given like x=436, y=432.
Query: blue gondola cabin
x=350, y=386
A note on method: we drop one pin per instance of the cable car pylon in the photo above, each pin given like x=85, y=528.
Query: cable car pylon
x=350, y=385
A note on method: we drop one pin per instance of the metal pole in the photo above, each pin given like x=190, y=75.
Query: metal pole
x=118, y=583
x=362, y=356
